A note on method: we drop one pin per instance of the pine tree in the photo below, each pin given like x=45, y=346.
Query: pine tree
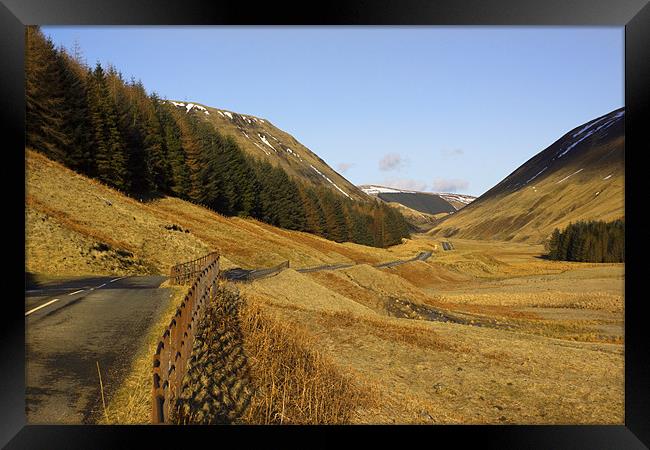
x=74, y=110
x=179, y=176
x=110, y=158
x=44, y=97
x=593, y=241
x=158, y=165
x=554, y=244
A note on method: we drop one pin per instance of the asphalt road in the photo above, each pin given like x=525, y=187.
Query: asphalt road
x=422, y=256
x=239, y=274
x=70, y=326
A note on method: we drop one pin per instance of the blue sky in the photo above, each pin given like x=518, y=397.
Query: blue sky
x=427, y=108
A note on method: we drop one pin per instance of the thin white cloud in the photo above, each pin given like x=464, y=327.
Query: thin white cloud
x=391, y=161
x=449, y=185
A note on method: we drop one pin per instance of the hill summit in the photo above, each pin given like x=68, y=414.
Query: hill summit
x=578, y=177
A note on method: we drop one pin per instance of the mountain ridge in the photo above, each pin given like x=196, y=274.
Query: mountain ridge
x=260, y=138
x=578, y=177
x=425, y=202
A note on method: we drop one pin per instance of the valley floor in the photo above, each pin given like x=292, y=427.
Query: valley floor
x=488, y=333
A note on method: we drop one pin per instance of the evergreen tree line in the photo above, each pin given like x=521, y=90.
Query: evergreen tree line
x=593, y=241
x=98, y=124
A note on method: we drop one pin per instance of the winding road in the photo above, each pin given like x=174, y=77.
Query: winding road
x=72, y=326
x=239, y=274
x=77, y=329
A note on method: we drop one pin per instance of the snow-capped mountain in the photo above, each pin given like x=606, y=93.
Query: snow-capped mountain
x=426, y=202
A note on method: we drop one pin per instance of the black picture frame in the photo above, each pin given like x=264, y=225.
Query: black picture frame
x=633, y=14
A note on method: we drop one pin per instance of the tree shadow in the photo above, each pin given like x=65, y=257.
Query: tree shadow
x=31, y=281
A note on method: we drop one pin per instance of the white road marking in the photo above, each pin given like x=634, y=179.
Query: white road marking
x=47, y=290
x=116, y=279
x=101, y=286
x=76, y=292
x=42, y=306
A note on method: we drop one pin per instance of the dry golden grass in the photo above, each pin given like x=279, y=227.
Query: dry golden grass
x=531, y=213
x=131, y=403
x=250, y=368
x=68, y=215
x=560, y=360
x=295, y=383
x=449, y=373
x=542, y=364
x=292, y=288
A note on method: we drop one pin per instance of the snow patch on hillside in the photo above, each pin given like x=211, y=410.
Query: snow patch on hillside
x=374, y=190
x=296, y=155
x=465, y=199
x=577, y=171
x=589, y=125
x=611, y=121
x=263, y=138
x=262, y=148
x=536, y=175
x=331, y=182
x=189, y=106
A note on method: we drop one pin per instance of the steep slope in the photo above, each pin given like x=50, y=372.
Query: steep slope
x=99, y=125
x=426, y=202
x=457, y=200
x=418, y=221
x=76, y=225
x=380, y=323
x=579, y=177
x=261, y=139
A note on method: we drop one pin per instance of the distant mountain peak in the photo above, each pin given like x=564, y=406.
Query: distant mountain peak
x=426, y=202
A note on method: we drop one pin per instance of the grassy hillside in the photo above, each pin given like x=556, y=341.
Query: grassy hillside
x=429, y=342
x=419, y=221
x=579, y=177
x=427, y=203
x=76, y=225
x=262, y=140
x=97, y=124
x=548, y=352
